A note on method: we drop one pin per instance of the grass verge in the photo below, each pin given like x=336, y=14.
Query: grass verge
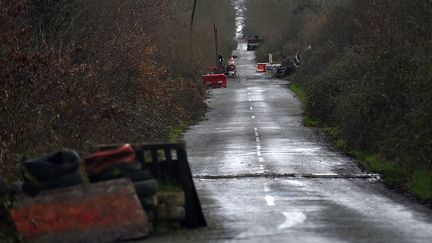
x=178, y=131
x=298, y=90
x=417, y=182
x=310, y=122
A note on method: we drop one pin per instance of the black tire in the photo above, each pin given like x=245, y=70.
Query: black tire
x=150, y=215
x=148, y=203
x=33, y=188
x=146, y=188
x=140, y=175
x=53, y=165
x=73, y=179
x=126, y=168
x=107, y=175
x=117, y=171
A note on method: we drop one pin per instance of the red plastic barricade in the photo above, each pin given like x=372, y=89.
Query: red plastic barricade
x=100, y=161
x=261, y=67
x=215, y=80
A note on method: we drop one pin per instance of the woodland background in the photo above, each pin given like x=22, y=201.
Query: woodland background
x=74, y=73
x=367, y=78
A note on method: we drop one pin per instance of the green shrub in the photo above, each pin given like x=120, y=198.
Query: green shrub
x=421, y=184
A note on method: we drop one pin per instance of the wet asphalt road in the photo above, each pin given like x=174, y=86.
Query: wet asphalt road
x=263, y=177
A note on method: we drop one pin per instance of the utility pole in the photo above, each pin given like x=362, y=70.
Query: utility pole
x=193, y=15
x=217, y=46
x=190, y=31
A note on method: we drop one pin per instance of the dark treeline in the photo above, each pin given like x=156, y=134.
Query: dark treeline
x=78, y=72
x=368, y=74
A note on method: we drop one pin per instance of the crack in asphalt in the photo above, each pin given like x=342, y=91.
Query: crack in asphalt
x=290, y=175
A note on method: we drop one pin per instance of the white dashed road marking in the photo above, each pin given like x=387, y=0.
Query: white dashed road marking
x=269, y=200
x=292, y=219
x=266, y=188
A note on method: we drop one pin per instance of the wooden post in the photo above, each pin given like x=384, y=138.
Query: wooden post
x=193, y=15
x=217, y=47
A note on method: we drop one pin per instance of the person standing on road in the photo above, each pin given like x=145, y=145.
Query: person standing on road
x=221, y=64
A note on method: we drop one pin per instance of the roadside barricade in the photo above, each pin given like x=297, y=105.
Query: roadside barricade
x=271, y=69
x=215, y=80
x=102, y=212
x=261, y=67
x=130, y=189
x=169, y=165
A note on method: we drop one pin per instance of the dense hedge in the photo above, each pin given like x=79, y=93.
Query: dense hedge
x=377, y=87
x=369, y=72
x=76, y=72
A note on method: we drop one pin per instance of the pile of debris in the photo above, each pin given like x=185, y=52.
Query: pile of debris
x=127, y=192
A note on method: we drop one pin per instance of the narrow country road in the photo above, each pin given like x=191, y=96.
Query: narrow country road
x=264, y=177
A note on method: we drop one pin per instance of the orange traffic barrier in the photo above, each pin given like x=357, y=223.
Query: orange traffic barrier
x=261, y=67
x=215, y=80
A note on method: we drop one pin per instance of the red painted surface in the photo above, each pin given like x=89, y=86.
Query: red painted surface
x=215, y=80
x=116, y=210
x=102, y=160
x=261, y=67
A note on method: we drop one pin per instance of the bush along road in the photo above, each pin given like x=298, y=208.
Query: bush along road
x=366, y=79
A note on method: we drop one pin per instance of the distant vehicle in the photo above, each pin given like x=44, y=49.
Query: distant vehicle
x=254, y=43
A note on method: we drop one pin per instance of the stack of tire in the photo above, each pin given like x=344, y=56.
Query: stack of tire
x=52, y=171
x=121, y=162
x=171, y=208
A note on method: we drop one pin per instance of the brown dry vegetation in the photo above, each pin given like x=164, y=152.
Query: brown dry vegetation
x=369, y=74
x=77, y=72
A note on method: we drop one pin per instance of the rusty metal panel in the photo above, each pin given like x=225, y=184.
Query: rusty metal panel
x=102, y=212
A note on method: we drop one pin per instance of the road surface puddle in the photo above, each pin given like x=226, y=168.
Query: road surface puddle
x=292, y=219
